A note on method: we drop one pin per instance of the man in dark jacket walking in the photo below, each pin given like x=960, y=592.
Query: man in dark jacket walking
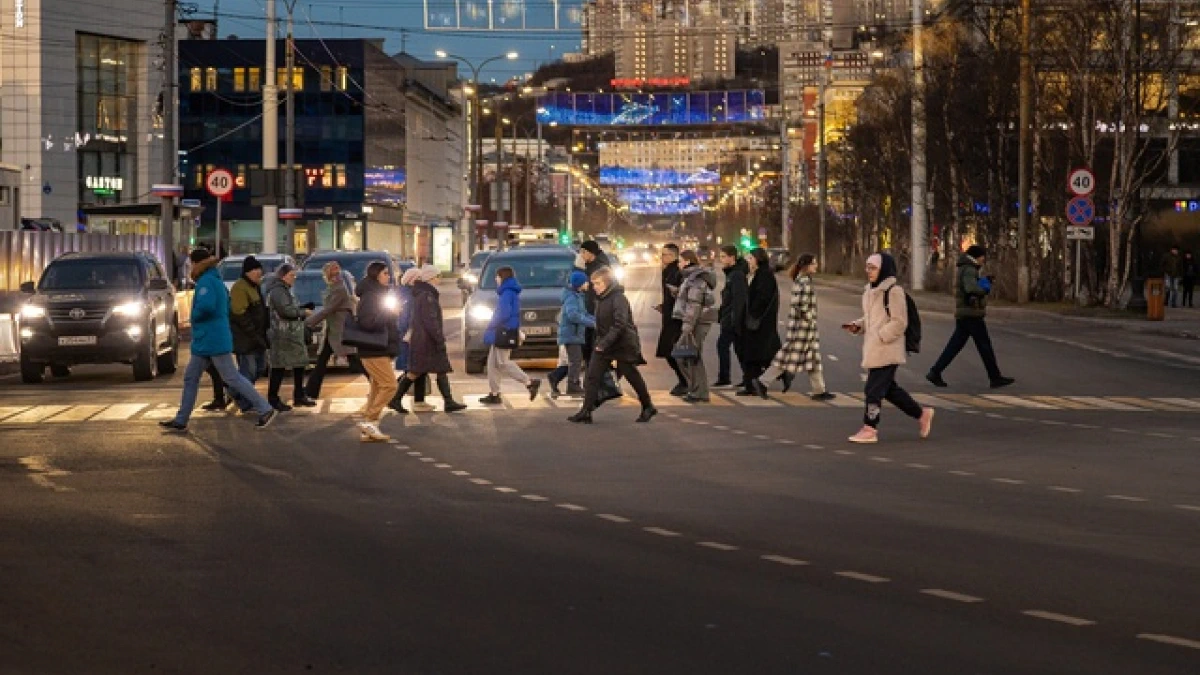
x=594, y=260
x=248, y=320
x=672, y=279
x=734, y=296
x=1171, y=276
x=970, y=308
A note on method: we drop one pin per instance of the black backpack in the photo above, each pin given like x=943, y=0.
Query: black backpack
x=912, y=332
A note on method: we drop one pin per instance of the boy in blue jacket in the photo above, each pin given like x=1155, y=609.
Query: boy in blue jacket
x=573, y=323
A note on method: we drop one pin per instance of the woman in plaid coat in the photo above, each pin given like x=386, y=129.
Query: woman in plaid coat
x=802, y=345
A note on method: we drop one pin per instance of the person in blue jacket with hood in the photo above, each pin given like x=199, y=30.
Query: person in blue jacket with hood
x=212, y=343
x=503, y=335
x=573, y=323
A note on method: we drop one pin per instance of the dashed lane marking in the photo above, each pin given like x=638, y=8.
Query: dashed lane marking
x=915, y=465
x=1170, y=640
x=1068, y=490
x=428, y=460
x=973, y=401
x=571, y=507
x=958, y=472
x=443, y=466
x=661, y=532
x=717, y=546
x=1060, y=618
x=951, y=595
x=534, y=498
x=461, y=473
x=1060, y=402
x=1017, y=402
x=882, y=460
x=844, y=453
x=859, y=576
x=612, y=518
x=1181, y=402
x=1095, y=402
x=1008, y=481
x=1146, y=403
x=481, y=481
x=1187, y=507
x=1126, y=498
x=812, y=446
x=784, y=560
x=9, y=411
x=505, y=490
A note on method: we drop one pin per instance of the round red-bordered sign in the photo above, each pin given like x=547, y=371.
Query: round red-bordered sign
x=1081, y=182
x=219, y=183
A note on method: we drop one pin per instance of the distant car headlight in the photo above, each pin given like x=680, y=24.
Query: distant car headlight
x=391, y=303
x=481, y=313
x=130, y=309
x=32, y=312
x=619, y=273
x=471, y=278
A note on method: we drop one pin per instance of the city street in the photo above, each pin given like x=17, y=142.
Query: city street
x=1051, y=527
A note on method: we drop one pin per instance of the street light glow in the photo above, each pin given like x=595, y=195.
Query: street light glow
x=512, y=56
x=441, y=54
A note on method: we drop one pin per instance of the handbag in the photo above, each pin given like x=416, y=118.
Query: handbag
x=355, y=335
x=685, y=349
x=508, y=338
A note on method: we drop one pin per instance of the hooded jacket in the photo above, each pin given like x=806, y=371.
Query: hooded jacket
x=616, y=335
x=697, y=301
x=734, y=296
x=374, y=315
x=601, y=260
x=427, y=347
x=970, y=299
x=883, y=327
x=247, y=317
x=508, y=310
x=574, y=319
x=211, y=334
x=288, y=346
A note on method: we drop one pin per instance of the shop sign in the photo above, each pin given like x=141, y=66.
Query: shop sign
x=112, y=183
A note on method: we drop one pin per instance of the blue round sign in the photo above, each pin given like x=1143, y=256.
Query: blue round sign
x=1081, y=211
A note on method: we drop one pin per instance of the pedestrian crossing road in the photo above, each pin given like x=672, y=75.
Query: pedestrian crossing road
x=11, y=414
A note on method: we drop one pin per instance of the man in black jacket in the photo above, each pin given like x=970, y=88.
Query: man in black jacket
x=594, y=260
x=672, y=328
x=734, y=296
x=248, y=321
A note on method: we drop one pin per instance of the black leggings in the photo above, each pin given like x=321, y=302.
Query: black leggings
x=595, y=379
x=277, y=382
x=881, y=385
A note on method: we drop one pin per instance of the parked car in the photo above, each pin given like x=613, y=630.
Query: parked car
x=355, y=262
x=542, y=272
x=230, y=268
x=111, y=307
x=470, y=277
x=780, y=258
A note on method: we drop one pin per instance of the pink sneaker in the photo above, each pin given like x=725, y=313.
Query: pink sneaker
x=926, y=422
x=865, y=435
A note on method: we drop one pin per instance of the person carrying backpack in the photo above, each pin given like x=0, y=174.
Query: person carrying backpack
x=970, y=307
x=883, y=327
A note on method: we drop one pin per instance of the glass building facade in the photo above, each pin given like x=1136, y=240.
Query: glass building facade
x=106, y=141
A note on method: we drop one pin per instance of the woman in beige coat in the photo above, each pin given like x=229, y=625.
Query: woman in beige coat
x=882, y=327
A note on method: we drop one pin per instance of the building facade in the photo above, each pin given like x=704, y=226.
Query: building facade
x=696, y=39
x=378, y=142
x=81, y=84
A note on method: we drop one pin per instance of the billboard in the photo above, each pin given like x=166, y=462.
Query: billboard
x=384, y=185
x=653, y=109
x=505, y=15
x=662, y=201
x=619, y=175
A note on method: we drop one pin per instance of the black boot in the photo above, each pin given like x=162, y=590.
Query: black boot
x=397, y=404
x=584, y=416
x=648, y=413
x=448, y=402
x=787, y=379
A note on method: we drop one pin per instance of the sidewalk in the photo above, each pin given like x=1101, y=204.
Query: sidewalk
x=1179, y=322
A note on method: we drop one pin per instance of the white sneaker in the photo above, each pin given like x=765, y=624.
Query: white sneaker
x=372, y=434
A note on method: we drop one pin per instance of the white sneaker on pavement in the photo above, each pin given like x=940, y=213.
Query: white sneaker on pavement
x=865, y=435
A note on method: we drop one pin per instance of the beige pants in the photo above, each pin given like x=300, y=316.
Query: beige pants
x=383, y=386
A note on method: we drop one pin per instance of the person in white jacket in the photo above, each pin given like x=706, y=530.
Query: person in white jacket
x=885, y=317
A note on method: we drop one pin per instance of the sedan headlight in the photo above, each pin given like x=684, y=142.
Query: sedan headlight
x=129, y=309
x=32, y=312
x=619, y=273
x=481, y=313
x=471, y=278
x=391, y=303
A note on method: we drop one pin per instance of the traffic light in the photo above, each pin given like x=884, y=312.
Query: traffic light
x=747, y=243
x=564, y=238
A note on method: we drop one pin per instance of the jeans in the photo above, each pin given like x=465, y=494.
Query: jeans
x=1172, y=289
x=693, y=369
x=500, y=363
x=248, y=365
x=229, y=374
x=725, y=341
x=881, y=385
x=969, y=329
x=597, y=368
x=574, y=365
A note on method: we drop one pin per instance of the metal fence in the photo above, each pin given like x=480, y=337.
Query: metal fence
x=24, y=254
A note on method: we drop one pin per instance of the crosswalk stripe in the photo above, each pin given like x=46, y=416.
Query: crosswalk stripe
x=1097, y=402
x=1060, y=402
x=346, y=406
x=755, y=402
x=118, y=413
x=1145, y=403
x=78, y=413
x=974, y=401
x=795, y=400
x=9, y=411
x=1018, y=402
x=1181, y=402
x=35, y=414
x=937, y=401
x=846, y=400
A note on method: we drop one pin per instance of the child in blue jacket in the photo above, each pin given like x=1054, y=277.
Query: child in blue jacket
x=573, y=322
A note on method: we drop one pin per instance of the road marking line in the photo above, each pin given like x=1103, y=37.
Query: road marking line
x=762, y=437
x=78, y=413
x=8, y=411
x=739, y=432
x=1144, y=403
x=571, y=507
x=859, y=576
x=1059, y=488
x=1187, y=507
x=414, y=453
x=720, y=427
x=611, y=518
x=1060, y=402
x=35, y=414
x=784, y=560
x=505, y=490
x=717, y=546
x=847, y=453
x=1170, y=640
x=950, y=595
x=957, y=472
x=1060, y=618
x=1085, y=426
x=1103, y=404
x=1159, y=434
x=914, y=465
x=1121, y=431
x=810, y=446
x=882, y=459
x=1008, y=481
x=1181, y=402
x=346, y=406
x=1017, y=402
x=535, y=498
x=443, y=466
x=974, y=401
x=461, y=473
x=1126, y=498
x=844, y=400
x=481, y=481
x=936, y=402
x=661, y=532
x=833, y=358
x=1054, y=423
x=785, y=441
x=428, y=459
x=996, y=416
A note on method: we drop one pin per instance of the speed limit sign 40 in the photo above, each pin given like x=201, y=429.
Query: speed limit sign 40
x=1081, y=182
x=219, y=183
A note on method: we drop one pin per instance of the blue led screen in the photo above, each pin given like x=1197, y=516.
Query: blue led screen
x=384, y=186
x=619, y=175
x=680, y=108
x=662, y=201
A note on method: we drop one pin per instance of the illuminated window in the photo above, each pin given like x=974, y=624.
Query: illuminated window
x=326, y=78
x=341, y=175
x=197, y=79
x=239, y=79
x=210, y=79
x=327, y=177
x=343, y=78
x=297, y=78
x=254, y=79
x=240, y=179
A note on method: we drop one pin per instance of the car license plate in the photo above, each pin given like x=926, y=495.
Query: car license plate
x=537, y=330
x=76, y=340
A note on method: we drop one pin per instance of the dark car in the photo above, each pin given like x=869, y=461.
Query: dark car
x=542, y=272
x=99, y=308
x=470, y=278
x=355, y=262
x=780, y=258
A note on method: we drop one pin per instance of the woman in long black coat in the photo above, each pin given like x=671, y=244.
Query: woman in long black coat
x=617, y=342
x=672, y=328
x=760, y=334
x=427, y=353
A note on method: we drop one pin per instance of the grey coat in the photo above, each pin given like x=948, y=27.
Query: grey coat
x=288, y=348
x=337, y=305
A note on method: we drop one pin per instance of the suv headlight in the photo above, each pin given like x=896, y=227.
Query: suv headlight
x=130, y=309
x=619, y=273
x=391, y=303
x=481, y=313
x=471, y=278
x=32, y=312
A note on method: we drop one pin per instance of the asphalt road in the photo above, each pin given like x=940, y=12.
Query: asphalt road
x=1053, y=527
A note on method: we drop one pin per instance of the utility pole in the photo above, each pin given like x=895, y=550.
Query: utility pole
x=1024, y=152
x=289, y=175
x=270, y=219
x=170, y=154
x=785, y=172
x=920, y=215
x=528, y=182
x=822, y=165
x=500, y=185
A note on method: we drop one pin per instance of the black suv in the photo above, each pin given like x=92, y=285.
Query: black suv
x=100, y=308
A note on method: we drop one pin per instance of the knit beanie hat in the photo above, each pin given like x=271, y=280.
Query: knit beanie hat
x=577, y=279
x=250, y=264
x=200, y=254
x=976, y=251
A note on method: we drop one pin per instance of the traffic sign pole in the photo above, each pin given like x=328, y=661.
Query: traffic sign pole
x=219, y=185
